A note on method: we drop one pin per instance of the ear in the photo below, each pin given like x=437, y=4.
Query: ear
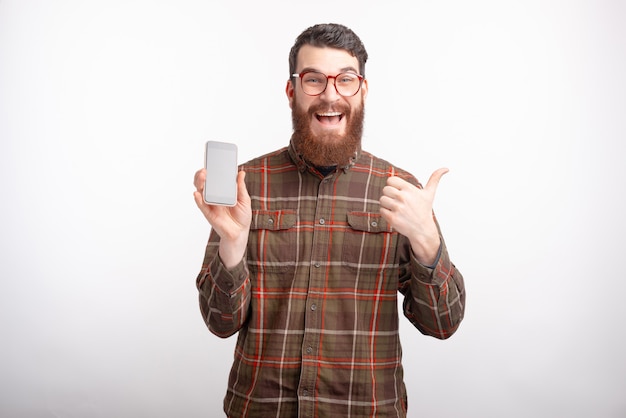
x=290, y=92
x=364, y=89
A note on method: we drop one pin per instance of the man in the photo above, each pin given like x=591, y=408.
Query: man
x=307, y=266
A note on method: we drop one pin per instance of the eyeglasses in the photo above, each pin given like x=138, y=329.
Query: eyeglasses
x=314, y=83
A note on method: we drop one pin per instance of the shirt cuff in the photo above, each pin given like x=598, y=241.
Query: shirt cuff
x=229, y=280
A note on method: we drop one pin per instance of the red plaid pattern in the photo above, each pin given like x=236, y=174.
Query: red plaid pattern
x=314, y=301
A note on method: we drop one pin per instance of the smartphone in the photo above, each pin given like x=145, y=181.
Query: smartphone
x=220, y=161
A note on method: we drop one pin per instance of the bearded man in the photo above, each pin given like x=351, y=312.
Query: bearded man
x=307, y=266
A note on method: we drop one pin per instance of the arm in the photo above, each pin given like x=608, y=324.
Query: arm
x=224, y=294
x=223, y=283
x=434, y=297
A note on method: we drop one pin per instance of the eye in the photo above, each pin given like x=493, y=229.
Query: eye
x=314, y=78
x=347, y=78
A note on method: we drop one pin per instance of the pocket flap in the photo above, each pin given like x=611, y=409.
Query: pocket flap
x=368, y=222
x=273, y=220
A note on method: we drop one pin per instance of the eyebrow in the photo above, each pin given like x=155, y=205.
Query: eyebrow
x=343, y=70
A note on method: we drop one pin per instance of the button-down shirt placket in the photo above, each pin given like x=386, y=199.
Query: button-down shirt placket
x=317, y=282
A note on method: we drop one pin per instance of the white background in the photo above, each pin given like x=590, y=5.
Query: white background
x=104, y=110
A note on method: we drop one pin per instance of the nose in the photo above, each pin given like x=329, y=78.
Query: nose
x=330, y=93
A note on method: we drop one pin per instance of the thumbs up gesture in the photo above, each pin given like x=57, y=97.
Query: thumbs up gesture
x=409, y=210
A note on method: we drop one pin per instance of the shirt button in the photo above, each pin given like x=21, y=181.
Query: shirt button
x=309, y=350
x=305, y=392
x=374, y=224
x=322, y=221
x=316, y=265
x=313, y=307
x=271, y=221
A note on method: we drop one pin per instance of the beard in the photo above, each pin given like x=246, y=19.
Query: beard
x=330, y=149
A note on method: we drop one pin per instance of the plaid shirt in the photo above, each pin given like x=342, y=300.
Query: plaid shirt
x=315, y=298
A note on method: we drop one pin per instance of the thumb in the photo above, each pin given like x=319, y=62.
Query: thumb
x=242, y=191
x=434, y=179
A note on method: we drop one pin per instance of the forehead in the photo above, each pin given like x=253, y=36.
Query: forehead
x=326, y=60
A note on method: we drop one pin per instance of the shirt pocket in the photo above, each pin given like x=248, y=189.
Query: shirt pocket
x=272, y=246
x=369, y=243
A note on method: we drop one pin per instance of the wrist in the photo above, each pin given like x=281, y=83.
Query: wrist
x=426, y=249
x=232, y=251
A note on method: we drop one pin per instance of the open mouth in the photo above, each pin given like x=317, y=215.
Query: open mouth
x=329, y=118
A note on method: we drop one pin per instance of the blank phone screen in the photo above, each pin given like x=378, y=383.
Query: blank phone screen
x=220, y=187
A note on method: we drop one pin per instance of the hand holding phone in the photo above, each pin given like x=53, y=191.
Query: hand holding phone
x=220, y=162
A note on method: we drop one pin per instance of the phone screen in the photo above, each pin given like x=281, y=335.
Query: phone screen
x=220, y=186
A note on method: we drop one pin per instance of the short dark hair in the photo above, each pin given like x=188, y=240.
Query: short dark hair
x=332, y=35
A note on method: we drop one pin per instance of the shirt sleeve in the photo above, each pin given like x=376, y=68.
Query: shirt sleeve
x=224, y=294
x=434, y=298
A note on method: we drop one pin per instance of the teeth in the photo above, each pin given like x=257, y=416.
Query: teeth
x=330, y=114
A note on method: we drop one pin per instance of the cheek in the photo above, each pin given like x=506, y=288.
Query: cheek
x=301, y=101
x=300, y=106
x=357, y=101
